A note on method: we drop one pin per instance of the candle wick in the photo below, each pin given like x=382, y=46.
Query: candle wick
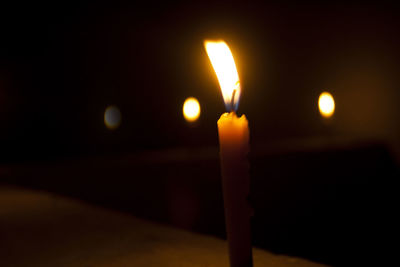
x=233, y=99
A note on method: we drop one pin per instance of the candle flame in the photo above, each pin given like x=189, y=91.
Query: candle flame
x=224, y=66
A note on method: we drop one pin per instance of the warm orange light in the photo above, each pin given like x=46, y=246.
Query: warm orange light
x=191, y=109
x=112, y=117
x=224, y=66
x=326, y=104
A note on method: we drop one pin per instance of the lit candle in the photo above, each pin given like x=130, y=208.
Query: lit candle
x=233, y=135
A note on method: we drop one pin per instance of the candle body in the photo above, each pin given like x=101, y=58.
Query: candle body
x=233, y=135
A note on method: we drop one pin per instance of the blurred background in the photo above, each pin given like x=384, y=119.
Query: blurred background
x=322, y=188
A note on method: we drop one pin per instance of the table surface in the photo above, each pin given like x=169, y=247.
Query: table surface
x=42, y=229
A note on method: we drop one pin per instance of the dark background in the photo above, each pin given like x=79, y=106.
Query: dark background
x=321, y=189
x=62, y=63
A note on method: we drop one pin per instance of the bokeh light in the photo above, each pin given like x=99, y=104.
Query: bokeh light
x=191, y=109
x=326, y=104
x=112, y=117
